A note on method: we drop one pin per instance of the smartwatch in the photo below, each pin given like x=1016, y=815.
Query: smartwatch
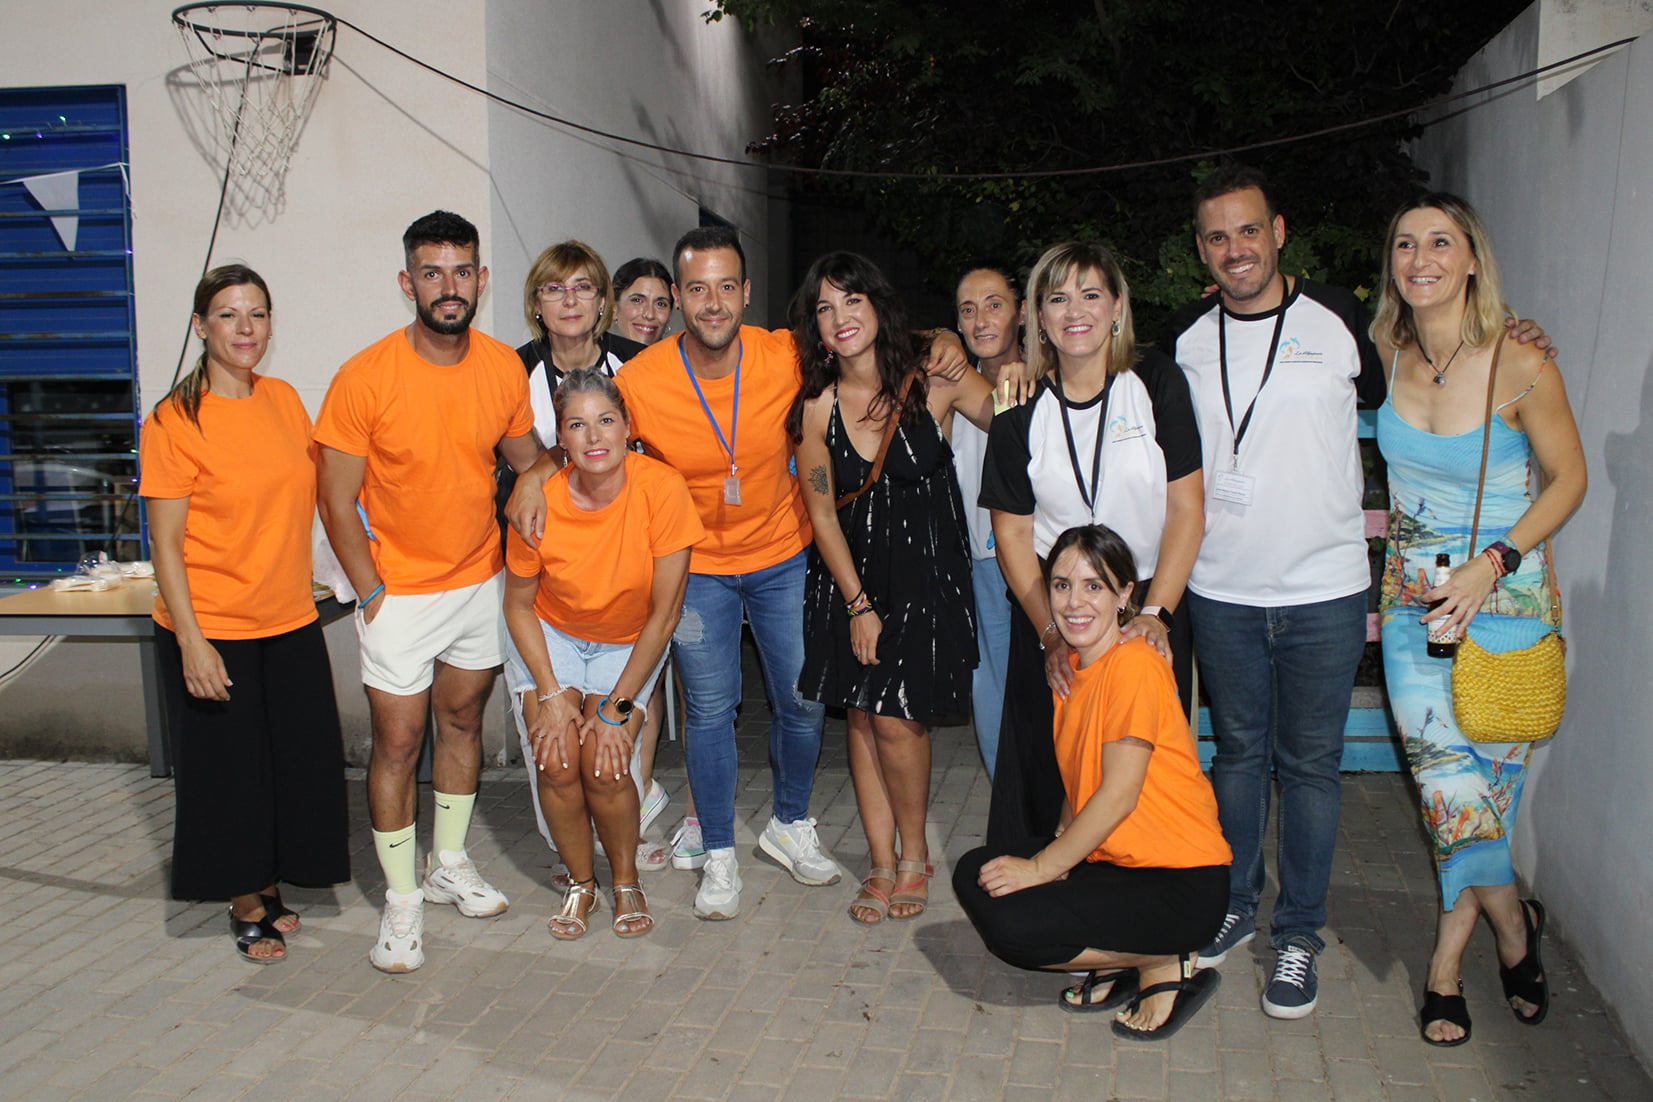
x=622, y=706
x=1510, y=557
x=1160, y=611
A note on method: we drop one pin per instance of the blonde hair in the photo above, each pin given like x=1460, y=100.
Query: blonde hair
x=1053, y=269
x=1485, y=309
x=560, y=261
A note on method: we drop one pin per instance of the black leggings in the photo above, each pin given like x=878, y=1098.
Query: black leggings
x=260, y=777
x=1153, y=912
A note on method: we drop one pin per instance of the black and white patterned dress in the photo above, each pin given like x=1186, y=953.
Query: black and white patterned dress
x=908, y=538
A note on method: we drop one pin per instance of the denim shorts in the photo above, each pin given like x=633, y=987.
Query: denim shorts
x=592, y=668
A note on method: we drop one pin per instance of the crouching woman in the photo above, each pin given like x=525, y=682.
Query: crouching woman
x=1136, y=879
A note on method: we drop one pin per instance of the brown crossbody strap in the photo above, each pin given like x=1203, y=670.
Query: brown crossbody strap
x=889, y=435
x=1480, y=488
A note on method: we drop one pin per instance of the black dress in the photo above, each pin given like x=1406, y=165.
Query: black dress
x=907, y=537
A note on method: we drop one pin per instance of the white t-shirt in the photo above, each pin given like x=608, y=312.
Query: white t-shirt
x=612, y=352
x=969, y=452
x=1301, y=539
x=1150, y=441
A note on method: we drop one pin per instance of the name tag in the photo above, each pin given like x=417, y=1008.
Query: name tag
x=1232, y=486
x=731, y=490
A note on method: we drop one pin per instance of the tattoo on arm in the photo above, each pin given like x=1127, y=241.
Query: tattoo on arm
x=818, y=479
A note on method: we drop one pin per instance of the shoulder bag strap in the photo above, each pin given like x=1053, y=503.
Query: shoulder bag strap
x=1486, y=444
x=884, y=444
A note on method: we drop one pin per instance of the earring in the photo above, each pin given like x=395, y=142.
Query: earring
x=1123, y=615
x=1116, y=327
x=539, y=319
x=1044, y=338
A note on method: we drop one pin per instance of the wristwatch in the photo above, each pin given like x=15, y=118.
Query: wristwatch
x=1160, y=611
x=1510, y=557
x=622, y=705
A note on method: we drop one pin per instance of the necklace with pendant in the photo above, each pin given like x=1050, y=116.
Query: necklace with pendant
x=1440, y=372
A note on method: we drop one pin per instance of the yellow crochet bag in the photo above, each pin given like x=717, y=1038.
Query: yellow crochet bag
x=1517, y=696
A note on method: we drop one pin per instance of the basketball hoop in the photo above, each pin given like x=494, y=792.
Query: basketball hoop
x=253, y=74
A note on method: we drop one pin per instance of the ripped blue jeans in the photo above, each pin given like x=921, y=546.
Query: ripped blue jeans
x=707, y=650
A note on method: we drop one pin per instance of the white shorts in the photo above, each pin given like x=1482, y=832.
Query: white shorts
x=413, y=631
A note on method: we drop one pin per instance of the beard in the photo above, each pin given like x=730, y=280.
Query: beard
x=713, y=341
x=437, y=324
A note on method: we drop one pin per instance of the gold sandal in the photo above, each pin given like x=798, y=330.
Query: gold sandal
x=909, y=895
x=637, y=913
x=871, y=899
x=572, y=919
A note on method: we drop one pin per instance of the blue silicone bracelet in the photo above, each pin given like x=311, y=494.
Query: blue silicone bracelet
x=605, y=719
x=367, y=600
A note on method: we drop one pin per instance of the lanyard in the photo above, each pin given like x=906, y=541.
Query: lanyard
x=734, y=414
x=1268, y=366
x=1087, y=496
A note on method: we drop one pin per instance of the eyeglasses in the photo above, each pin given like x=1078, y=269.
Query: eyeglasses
x=584, y=290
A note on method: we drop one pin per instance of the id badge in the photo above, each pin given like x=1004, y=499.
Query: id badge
x=1232, y=486
x=731, y=490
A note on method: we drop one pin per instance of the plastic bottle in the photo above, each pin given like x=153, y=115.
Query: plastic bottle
x=1443, y=641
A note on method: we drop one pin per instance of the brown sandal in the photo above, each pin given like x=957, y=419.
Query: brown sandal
x=569, y=923
x=642, y=922
x=910, y=895
x=871, y=899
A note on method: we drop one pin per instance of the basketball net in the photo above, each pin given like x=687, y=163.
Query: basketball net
x=253, y=74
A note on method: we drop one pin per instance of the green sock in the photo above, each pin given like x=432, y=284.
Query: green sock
x=452, y=822
x=395, y=850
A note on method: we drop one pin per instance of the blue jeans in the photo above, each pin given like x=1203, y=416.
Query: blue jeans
x=993, y=647
x=1280, y=681
x=707, y=648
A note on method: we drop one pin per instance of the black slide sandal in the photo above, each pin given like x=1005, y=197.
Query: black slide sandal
x=247, y=933
x=1444, y=1008
x=1525, y=981
x=275, y=910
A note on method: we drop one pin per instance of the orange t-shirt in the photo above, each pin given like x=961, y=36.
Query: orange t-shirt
x=1130, y=692
x=428, y=434
x=250, y=476
x=769, y=525
x=596, y=567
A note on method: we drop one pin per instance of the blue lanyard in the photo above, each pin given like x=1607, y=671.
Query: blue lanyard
x=734, y=414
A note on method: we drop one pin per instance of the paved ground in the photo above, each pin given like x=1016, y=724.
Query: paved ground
x=108, y=990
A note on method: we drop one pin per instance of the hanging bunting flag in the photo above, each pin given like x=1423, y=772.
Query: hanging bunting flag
x=59, y=191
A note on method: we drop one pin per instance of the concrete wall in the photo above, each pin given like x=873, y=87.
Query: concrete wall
x=1563, y=185
x=387, y=142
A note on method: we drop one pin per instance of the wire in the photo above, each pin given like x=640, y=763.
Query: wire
x=26, y=659
x=1029, y=174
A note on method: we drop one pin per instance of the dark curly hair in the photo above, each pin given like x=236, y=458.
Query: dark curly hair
x=898, y=350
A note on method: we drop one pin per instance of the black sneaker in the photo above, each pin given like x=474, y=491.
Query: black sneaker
x=1234, y=932
x=1295, y=988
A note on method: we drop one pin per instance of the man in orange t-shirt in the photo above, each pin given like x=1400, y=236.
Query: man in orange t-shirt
x=405, y=489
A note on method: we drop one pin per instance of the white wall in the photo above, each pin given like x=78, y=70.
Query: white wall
x=654, y=71
x=1562, y=183
x=386, y=143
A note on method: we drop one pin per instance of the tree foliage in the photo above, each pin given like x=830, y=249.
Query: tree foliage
x=967, y=86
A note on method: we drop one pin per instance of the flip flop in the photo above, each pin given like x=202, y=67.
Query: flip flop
x=1525, y=981
x=1444, y=1008
x=1192, y=993
x=1077, y=999
x=248, y=933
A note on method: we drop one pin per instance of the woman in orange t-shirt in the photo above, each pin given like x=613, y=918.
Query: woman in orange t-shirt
x=229, y=484
x=1136, y=879
x=590, y=611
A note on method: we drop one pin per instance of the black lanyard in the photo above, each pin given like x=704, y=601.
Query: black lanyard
x=1087, y=496
x=1268, y=365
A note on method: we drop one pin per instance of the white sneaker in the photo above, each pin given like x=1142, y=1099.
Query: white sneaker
x=653, y=803
x=799, y=851
x=719, y=894
x=688, y=850
x=453, y=879
x=401, y=944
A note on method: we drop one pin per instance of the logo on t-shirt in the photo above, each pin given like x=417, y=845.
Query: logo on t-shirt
x=1292, y=351
x=1120, y=429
